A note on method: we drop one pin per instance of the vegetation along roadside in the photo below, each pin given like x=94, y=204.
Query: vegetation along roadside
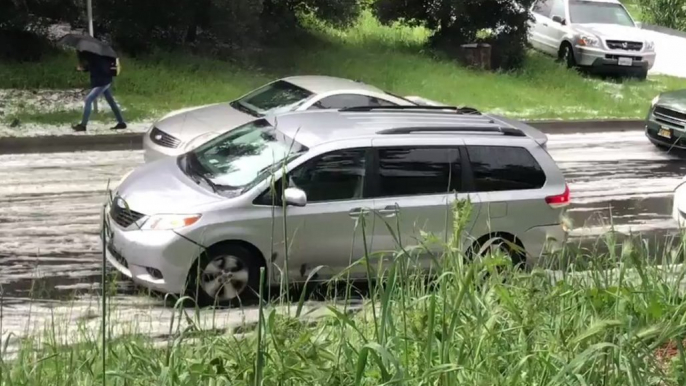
x=483, y=323
x=392, y=57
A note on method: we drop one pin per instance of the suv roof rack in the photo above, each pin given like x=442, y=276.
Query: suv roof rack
x=510, y=131
x=456, y=109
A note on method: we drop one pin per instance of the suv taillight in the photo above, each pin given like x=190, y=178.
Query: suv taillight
x=560, y=200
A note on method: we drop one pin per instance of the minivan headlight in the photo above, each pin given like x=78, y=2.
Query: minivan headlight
x=650, y=45
x=167, y=222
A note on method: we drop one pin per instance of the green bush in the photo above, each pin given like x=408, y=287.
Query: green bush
x=457, y=22
x=665, y=13
x=141, y=26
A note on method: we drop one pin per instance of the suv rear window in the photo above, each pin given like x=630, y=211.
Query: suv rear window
x=409, y=171
x=498, y=168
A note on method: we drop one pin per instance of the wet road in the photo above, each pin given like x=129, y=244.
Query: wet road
x=50, y=204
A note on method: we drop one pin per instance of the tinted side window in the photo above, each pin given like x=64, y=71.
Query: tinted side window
x=498, y=168
x=338, y=175
x=349, y=100
x=410, y=171
x=543, y=7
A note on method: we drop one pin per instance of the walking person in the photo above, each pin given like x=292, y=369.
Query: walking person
x=101, y=83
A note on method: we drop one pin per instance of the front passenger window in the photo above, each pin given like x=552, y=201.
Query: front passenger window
x=334, y=176
x=558, y=9
x=543, y=8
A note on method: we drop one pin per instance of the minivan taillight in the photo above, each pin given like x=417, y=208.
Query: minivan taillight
x=560, y=200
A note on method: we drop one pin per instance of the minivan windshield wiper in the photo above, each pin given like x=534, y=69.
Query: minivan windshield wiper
x=194, y=169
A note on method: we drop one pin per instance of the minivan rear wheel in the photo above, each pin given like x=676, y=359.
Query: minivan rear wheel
x=505, y=244
x=226, y=275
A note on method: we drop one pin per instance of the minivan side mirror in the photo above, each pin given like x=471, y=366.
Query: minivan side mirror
x=639, y=24
x=558, y=19
x=295, y=197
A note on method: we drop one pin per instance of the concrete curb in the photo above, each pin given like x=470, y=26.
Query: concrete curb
x=134, y=141
x=70, y=143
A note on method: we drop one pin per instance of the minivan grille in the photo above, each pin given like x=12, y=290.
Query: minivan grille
x=624, y=45
x=669, y=115
x=163, y=139
x=124, y=216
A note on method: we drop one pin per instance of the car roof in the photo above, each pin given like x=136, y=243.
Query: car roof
x=320, y=84
x=313, y=128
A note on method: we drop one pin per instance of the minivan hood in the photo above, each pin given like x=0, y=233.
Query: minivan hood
x=674, y=100
x=161, y=187
x=612, y=31
x=190, y=124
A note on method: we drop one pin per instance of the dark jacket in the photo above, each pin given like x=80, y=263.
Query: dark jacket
x=98, y=67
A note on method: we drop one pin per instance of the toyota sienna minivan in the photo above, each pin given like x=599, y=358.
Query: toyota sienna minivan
x=207, y=221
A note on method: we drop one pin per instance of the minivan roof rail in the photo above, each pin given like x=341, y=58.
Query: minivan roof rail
x=456, y=109
x=510, y=131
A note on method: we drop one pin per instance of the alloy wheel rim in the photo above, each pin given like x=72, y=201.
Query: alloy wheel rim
x=224, y=278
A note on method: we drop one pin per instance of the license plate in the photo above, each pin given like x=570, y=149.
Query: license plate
x=625, y=62
x=665, y=133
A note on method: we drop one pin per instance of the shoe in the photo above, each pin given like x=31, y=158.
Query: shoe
x=120, y=126
x=78, y=127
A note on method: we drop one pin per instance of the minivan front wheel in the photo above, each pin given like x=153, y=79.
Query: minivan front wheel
x=226, y=275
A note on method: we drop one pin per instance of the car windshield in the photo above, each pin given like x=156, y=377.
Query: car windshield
x=274, y=98
x=588, y=12
x=239, y=159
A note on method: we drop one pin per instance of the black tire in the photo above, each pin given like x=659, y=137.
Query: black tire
x=507, y=245
x=566, y=55
x=642, y=75
x=236, y=271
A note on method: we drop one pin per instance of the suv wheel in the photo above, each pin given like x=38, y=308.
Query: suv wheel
x=226, y=275
x=566, y=55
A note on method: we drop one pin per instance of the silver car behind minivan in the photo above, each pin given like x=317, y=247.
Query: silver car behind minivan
x=211, y=218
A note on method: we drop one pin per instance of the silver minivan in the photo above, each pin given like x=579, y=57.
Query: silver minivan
x=212, y=218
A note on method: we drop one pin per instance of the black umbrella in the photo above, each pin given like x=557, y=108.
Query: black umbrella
x=89, y=44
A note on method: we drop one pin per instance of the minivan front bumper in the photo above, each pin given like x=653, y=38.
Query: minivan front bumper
x=156, y=259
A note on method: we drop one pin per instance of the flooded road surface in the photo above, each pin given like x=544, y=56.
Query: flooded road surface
x=50, y=205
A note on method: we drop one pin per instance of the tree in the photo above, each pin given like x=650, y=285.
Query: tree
x=502, y=23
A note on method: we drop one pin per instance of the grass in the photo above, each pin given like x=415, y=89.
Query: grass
x=391, y=57
x=478, y=324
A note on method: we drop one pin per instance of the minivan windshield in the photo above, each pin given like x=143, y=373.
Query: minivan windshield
x=237, y=160
x=588, y=12
x=274, y=98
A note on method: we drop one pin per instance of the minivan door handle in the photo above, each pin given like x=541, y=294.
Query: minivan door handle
x=357, y=212
x=389, y=211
